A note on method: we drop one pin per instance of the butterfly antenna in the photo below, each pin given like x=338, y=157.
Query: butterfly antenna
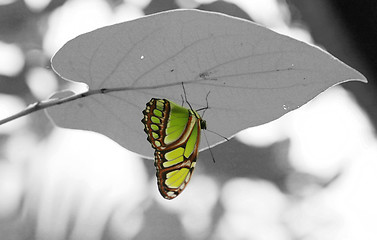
x=183, y=101
x=206, y=107
x=184, y=92
x=209, y=148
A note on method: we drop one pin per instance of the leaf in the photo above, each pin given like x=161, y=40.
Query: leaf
x=252, y=74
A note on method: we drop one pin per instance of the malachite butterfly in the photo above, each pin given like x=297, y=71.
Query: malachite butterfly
x=174, y=133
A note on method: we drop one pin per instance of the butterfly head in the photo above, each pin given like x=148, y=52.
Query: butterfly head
x=203, y=124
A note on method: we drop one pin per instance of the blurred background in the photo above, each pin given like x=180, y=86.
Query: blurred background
x=308, y=175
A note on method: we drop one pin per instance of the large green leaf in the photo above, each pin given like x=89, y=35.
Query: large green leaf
x=254, y=75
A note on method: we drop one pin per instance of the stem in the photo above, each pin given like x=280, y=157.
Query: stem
x=41, y=105
x=56, y=101
x=31, y=108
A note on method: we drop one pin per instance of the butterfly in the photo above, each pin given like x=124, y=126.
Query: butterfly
x=174, y=133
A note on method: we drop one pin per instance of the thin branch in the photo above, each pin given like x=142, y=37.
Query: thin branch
x=39, y=106
x=30, y=109
x=57, y=101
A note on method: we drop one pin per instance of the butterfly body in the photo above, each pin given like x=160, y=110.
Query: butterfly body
x=174, y=133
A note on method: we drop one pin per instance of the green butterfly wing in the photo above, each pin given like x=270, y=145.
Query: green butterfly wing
x=174, y=133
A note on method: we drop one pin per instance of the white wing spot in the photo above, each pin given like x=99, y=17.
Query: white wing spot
x=171, y=194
